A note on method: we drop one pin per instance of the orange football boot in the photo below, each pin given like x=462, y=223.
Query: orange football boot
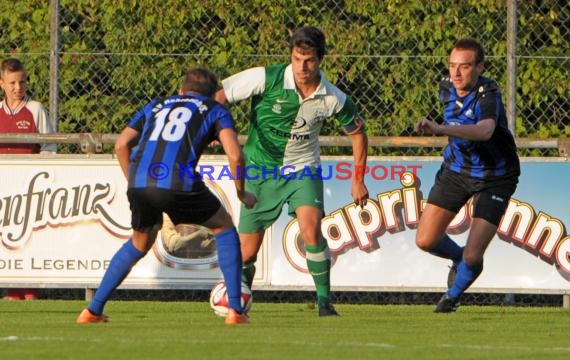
x=87, y=317
x=235, y=318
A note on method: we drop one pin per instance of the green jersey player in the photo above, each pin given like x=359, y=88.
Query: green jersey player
x=289, y=106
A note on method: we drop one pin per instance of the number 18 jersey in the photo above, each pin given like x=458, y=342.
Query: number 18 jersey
x=173, y=134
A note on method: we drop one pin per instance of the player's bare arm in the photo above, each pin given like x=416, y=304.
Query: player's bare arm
x=229, y=140
x=359, y=191
x=482, y=131
x=127, y=139
x=220, y=97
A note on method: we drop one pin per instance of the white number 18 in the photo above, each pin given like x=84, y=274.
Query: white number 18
x=175, y=128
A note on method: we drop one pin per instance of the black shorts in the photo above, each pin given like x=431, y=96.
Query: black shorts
x=148, y=204
x=490, y=197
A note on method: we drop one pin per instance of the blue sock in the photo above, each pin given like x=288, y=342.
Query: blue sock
x=229, y=259
x=448, y=249
x=466, y=275
x=118, y=269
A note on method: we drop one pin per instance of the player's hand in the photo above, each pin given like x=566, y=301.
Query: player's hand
x=214, y=144
x=359, y=193
x=248, y=199
x=427, y=127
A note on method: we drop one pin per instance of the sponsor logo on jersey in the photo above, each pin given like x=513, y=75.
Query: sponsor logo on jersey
x=290, y=136
x=298, y=123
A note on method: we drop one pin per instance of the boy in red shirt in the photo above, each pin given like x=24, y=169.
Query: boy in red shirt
x=20, y=114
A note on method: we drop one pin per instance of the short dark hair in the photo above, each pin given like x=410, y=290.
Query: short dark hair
x=11, y=65
x=309, y=37
x=201, y=81
x=474, y=45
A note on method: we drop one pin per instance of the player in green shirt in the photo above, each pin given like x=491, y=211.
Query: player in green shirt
x=290, y=103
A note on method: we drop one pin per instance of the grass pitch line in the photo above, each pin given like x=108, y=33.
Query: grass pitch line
x=492, y=347
x=9, y=338
x=45, y=338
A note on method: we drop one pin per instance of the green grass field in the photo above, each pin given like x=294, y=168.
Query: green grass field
x=46, y=330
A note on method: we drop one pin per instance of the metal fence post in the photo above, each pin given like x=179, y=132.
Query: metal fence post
x=54, y=64
x=511, y=100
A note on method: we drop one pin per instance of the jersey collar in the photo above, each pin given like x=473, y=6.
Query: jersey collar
x=289, y=82
x=17, y=109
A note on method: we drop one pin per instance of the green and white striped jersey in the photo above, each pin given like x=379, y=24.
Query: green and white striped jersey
x=284, y=129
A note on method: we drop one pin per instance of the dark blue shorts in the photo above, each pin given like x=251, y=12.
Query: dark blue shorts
x=148, y=204
x=490, y=197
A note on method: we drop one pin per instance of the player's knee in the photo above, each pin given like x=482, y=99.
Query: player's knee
x=422, y=242
x=472, y=258
x=312, y=235
x=423, y=246
x=250, y=260
x=223, y=218
x=143, y=241
x=248, y=252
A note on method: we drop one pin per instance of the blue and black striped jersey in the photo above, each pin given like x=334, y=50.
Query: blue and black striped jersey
x=496, y=157
x=173, y=134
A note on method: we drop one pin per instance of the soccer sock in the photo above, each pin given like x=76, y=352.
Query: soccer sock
x=448, y=249
x=119, y=267
x=319, y=265
x=466, y=275
x=248, y=271
x=229, y=259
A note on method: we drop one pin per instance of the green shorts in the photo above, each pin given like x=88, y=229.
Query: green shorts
x=295, y=189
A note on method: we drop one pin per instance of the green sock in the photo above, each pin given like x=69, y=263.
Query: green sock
x=248, y=271
x=319, y=265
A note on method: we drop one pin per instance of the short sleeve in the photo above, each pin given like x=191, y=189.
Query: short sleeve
x=349, y=119
x=245, y=84
x=489, y=106
x=224, y=120
x=138, y=120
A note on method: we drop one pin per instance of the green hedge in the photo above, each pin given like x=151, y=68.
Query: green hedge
x=117, y=55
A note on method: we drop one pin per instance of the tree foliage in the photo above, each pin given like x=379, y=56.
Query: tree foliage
x=116, y=55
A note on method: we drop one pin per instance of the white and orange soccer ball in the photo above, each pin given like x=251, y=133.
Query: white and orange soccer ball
x=219, y=298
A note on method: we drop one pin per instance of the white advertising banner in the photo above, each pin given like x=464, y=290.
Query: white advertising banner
x=62, y=219
x=374, y=247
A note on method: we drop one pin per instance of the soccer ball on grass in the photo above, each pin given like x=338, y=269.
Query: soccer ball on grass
x=219, y=298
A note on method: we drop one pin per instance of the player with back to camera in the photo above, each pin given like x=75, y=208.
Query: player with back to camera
x=171, y=132
x=290, y=103
x=480, y=162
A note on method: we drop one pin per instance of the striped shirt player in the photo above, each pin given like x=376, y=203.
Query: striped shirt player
x=29, y=117
x=174, y=133
x=480, y=167
x=158, y=152
x=490, y=159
